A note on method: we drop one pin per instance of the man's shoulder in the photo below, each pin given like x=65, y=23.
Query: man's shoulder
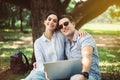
x=87, y=35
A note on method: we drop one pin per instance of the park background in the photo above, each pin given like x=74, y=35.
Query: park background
x=16, y=34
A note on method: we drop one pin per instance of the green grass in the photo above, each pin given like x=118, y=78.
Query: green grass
x=103, y=32
x=109, y=56
x=106, y=29
x=109, y=59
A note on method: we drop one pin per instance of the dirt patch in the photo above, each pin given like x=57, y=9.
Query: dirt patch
x=107, y=40
x=101, y=40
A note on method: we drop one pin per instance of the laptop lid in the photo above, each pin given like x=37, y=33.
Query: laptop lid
x=63, y=69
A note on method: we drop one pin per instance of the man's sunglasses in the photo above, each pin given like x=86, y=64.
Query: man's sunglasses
x=64, y=24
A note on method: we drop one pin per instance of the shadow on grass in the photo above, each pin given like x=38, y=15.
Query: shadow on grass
x=8, y=75
x=111, y=76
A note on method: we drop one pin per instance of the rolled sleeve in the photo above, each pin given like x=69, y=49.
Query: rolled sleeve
x=39, y=57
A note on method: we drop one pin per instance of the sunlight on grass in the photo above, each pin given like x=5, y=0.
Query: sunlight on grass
x=98, y=26
x=113, y=29
x=109, y=59
x=103, y=63
x=3, y=55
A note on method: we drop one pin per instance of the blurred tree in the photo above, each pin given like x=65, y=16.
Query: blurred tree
x=21, y=19
x=4, y=14
x=82, y=12
x=115, y=12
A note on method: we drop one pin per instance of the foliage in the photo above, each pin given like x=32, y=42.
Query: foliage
x=114, y=12
x=111, y=15
x=71, y=6
x=10, y=16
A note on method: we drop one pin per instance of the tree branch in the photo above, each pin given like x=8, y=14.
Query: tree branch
x=84, y=12
x=21, y=3
x=66, y=3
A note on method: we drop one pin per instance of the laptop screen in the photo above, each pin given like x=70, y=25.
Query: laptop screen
x=63, y=69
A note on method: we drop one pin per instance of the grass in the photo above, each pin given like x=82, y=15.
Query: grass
x=106, y=29
x=13, y=41
x=109, y=59
x=101, y=32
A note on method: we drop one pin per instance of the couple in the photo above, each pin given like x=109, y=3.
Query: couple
x=52, y=45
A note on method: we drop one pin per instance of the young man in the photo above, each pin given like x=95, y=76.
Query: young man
x=80, y=47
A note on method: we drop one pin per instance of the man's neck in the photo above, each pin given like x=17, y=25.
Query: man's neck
x=70, y=37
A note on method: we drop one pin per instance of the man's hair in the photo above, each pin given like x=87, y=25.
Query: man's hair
x=67, y=16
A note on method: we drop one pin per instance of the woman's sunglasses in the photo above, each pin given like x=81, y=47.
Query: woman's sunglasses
x=64, y=24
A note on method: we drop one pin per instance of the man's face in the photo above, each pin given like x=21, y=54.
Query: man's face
x=68, y=27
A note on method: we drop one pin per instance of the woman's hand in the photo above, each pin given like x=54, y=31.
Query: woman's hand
x=46, y=76
x=34, y=65
x=81, y=32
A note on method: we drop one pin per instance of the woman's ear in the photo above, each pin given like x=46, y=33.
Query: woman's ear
x=73, y=24
x=44, y=22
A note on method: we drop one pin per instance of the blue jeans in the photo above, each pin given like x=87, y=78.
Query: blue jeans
x=74, y=76
x=36, y=75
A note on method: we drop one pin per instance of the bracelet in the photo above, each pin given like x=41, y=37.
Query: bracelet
x=85, y=74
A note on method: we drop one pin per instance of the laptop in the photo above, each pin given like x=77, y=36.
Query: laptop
x=63, y=69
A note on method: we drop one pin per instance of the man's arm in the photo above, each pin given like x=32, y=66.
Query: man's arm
x=87, y=52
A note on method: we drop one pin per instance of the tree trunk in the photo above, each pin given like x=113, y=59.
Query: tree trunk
x=21, y=19
x=38, y=8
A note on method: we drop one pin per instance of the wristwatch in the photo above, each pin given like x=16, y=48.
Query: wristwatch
x=85, y=74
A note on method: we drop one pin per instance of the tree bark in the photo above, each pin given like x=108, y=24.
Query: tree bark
x=21, y=19
x=38, y=9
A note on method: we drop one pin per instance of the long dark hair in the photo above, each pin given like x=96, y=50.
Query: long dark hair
x=49, y=13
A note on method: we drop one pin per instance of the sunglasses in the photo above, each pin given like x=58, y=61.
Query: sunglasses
x=64, y=24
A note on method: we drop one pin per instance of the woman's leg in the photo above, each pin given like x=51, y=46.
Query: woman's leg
x=38, y=75
x=29, y=77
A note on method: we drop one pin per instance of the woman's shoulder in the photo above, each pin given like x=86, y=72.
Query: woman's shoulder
x=38, y=40
x=59, y=33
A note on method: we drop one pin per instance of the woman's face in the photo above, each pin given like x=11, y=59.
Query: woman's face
x=51, y=22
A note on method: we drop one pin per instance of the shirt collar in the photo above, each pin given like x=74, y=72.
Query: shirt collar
x=46, y=39
x=74, y=37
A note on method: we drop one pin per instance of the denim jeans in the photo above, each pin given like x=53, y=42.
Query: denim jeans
x=35, y=75
x=74, y=76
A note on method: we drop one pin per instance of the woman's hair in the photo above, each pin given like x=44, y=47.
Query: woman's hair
x=49, y=13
